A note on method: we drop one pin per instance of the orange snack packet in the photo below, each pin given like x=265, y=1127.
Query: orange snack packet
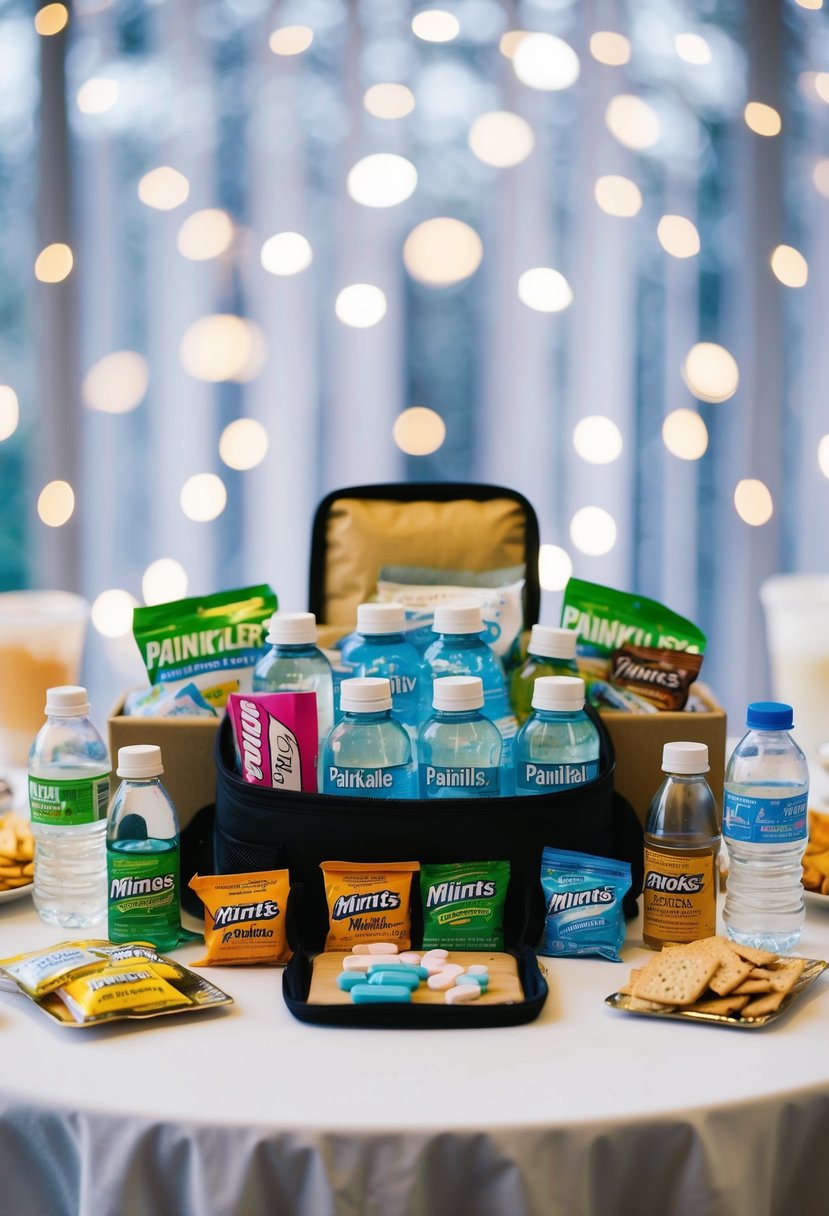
x=244, y=918
x=368, y=902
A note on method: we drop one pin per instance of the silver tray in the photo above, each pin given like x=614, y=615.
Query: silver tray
x=813, y=968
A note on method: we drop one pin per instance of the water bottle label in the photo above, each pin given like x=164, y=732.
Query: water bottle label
x=537, y=777
x=143, y=895
x=751, y=820
x=68, y=803
x=462, y=779
x=377, y=782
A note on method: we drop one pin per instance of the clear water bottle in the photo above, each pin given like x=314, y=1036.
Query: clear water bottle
x=550, y=652
x=296, y=664
x=765, y=828
x=682, y=839
x=368, y=754
x=460, y=650
x=381, y=649
x=558, y=746
x=68, y=794
x=459, y=748
x=143, y=853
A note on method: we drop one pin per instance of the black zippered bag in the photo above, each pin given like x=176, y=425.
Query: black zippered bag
x=262, y=829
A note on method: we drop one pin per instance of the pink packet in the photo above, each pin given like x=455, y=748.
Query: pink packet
x=276, y=738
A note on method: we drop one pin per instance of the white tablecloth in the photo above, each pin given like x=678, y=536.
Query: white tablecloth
x=248, y=1111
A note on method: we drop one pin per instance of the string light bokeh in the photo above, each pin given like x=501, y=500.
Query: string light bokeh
x=507, y=243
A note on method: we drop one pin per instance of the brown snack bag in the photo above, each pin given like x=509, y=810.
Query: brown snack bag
x=244, y=918
x=660, y=676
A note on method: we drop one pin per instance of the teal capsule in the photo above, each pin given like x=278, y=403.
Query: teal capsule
x=398, y=969
x=389, y=977
x=390, y=994
x=347, y=979
x=481, y=980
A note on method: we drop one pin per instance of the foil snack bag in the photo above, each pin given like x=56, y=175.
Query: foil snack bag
x=244, y=917
x=609, y=622
x=276, y=738
x=583, y=896
x=213, y=641
x=368, y=902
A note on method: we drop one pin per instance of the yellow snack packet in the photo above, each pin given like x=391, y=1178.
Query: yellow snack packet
x=120, y=991
x=368, y=902
x=41, y=971
x=244, y=918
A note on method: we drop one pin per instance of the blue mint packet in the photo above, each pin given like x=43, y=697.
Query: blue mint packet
x=583, y=897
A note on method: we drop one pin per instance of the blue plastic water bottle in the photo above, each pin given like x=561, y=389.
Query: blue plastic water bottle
x=460, y=650
x=296, y=664
x=368, y=754
x=382, y=650
x=764, y=828
x=459, y=748
x=558, y=746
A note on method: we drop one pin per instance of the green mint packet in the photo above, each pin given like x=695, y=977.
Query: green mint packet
x=205, y=638
x=606, y=619
x=463, y=904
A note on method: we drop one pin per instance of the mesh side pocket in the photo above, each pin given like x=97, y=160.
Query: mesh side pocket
x=242, y=857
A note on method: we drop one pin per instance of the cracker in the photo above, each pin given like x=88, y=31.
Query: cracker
x=786, y=974
x=675, y=977
x=753, y=987
x=638, y=1005
x=763, y=1004
x=760, y=958
x=722, y=1005
x=731, y=970
x=627, y=988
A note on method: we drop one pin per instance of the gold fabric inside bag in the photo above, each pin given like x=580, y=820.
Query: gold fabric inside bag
x=363, y=535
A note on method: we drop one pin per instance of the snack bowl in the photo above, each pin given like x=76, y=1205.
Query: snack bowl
x=12, y=893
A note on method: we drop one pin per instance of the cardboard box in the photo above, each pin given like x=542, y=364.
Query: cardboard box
x=190, y=772
x=186, y=753
x=639, y=739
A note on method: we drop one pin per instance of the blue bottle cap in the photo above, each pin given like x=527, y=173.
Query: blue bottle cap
x=769, y=715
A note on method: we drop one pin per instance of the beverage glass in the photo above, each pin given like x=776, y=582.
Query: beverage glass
x=41, y=643
x=797, y=626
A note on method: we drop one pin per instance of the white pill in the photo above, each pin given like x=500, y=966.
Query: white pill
x=452, y=969
x=436, y=953
x=441, y=980
x=411, y=957
x=357, y=962
x=432, y=965
x=375, y=948
x=463, y=993
x=477, y=969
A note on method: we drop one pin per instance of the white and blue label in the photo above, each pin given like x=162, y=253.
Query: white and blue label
x=764, y=820
x=461, y=780
x=368, y=782
x=537, y=777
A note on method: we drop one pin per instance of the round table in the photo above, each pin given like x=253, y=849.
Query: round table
x=246, y=1111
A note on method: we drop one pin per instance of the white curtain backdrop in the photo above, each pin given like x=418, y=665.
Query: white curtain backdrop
x=270, y=139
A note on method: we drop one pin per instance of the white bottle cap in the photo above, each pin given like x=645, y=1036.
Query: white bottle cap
x=365, y=695
x=456, y=694
x=68, y=701
x=139, y=760
x=380, y=618
x=685, y=758
x=292, y=629
x=463, y=616
x=552, y=643
x=562, y=693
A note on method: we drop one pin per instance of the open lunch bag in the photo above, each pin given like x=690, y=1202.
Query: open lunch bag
x=358, y=532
